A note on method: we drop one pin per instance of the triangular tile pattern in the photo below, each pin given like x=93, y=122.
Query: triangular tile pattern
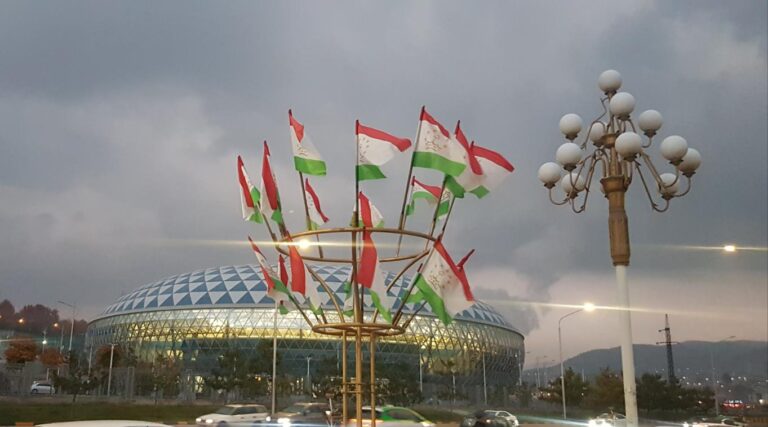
x=240, y=285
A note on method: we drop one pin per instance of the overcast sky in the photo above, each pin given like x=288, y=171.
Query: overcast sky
x=120, y=123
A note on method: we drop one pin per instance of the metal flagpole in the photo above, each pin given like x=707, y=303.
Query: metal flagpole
x=306, y=213
x=401, y=223
x=485, y=383
x=357, y=299
x=274, y=360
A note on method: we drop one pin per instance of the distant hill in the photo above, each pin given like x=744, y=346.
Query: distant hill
x=692, y=359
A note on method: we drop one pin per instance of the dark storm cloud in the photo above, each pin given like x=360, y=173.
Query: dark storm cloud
x=119, y=123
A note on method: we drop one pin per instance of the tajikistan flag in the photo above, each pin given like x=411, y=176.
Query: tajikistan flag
x=301, y=280
x=369, y=274
x=270, y=206
x=306, y=158
x=495, y=169
x=435, y=149
x=472, y=175
x=249, y=195
x=419, y=190
x=443, y=284
x=374, y=148
x=349, y=304
x=377, y=220
x=316, y=215
x=276, y=287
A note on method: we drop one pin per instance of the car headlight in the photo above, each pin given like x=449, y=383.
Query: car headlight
x=592, y=423
x=209, y=421
x=685, y=424
x=268, y=419
x=284, y=421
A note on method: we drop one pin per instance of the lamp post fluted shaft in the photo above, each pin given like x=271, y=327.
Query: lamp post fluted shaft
x=621, y=154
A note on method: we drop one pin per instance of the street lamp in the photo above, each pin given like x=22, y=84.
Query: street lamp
x=309, y=379
x=421, y=374
x=111, y=359
x=714, y=379
x=620, y=152
x=588, y=307
x=72, y=325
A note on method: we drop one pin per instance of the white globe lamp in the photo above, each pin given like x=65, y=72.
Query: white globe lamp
x=609, y=81
x=568, y=155
x=570, y=125
x=596, y=132
x=572, y=183
x=549, y=174
x=629, y=145
x=673, y=148
x=668, y=185
x=621, y=105
x=690, y=162
x=650, y=122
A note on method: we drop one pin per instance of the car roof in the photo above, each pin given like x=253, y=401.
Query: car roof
x=105, y=423
x=240, y=405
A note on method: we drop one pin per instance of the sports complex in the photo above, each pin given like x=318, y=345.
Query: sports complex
x=192, y=317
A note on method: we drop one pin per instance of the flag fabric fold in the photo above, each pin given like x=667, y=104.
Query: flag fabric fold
x=435, y=149
x=377, y=220
x=495, y=169
x=301, y=280
x=270, y=206
x=421, y=191
x=472, y=175
x=369, y=274
x=443, y=284
x=316, y=215
x=306, y=158
x=375, y=148
x=250, y=197
x=277, y=288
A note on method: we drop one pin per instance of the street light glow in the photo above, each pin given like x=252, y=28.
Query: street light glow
x=304, y=244
x=729, y=248
x=589, y=307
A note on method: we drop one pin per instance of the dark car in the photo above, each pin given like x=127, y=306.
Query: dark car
x=486, y=419
x=302, y=414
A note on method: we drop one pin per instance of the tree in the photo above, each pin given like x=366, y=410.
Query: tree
x=398, y=384
x=7, y=315
x=575, y=389
x=104, y=353
x=38, y=317
x=606, y=392
x=21, y=350
x=653, y=393
x=51, y=357
x=229, y=373
x=77, y=381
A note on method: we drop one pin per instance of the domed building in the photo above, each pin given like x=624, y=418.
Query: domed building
x=193, y=317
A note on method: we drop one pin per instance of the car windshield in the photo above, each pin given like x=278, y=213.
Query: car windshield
x=295, y=408
x=226, y=410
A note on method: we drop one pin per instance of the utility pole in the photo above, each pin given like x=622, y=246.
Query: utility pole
x=668, y=342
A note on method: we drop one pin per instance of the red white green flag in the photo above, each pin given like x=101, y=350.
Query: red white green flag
x=270, y=206
x=369, y=274
x=375, y=148
x=472, y=176
x=495, y=169
x=419, y=190
x=276, y=285
x=249, y=195
x=301, y=280
x=377, y=220
x=435, y=148
x=306, y=158
x=316, y=215
x=443, y=284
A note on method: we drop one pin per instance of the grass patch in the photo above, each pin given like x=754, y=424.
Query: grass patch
x=49, y=412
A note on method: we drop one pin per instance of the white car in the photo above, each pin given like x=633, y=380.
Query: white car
x=105, y=423
x=233, y=415
x=504, y=414
x=42, y=387
x=393, y=416
x=612, y=419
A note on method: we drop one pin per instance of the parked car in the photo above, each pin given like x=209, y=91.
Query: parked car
x=719, y=421
x=42, y=387
x=231, y=415
x=490, y=418
x=608, y=419
x=393, y=416
x=298, y=414
x=105, y=423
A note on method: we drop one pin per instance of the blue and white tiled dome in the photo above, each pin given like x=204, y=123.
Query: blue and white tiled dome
x=241, y=286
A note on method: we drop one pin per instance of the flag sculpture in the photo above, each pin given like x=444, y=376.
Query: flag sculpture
x=450, y=168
